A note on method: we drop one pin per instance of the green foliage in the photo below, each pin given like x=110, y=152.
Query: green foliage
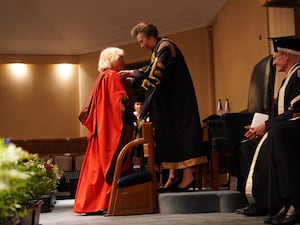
x=24, y=177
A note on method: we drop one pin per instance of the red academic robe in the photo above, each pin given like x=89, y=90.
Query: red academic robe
x=104, y=122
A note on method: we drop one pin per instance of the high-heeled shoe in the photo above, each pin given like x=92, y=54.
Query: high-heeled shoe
x=184, y=189
x=172, y=185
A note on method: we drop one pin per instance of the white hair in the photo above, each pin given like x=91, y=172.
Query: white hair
x=291, y=51
x=108, y=58
x=295, y=57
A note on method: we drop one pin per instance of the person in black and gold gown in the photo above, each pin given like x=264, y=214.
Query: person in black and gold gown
x=172, y=106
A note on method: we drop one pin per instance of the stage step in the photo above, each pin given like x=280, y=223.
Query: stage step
x=199, y=202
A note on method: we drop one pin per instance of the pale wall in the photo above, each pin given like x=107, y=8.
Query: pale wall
x=240, y=41
x=281, y=23
x=87, y=74
x=39, y=104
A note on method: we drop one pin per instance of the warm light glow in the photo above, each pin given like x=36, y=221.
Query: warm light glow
x=19, y=70
x=64, y=70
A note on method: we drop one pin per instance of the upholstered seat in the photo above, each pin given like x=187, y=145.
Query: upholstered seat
x=134, y=178
x=136, y=192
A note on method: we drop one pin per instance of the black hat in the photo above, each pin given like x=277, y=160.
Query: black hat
x=139, y=98
x=139, y=95
x=290, y=44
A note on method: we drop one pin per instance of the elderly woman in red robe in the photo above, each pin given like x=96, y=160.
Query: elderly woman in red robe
x=109, y=129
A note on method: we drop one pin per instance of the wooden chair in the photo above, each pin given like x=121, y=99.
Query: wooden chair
x=135, y=193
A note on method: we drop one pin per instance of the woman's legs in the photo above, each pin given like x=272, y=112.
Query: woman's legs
x=187, y=178
x=171, y=179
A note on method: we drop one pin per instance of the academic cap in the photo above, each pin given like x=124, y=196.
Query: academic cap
x=290, y=44
x=139, y=95
x=139, y=98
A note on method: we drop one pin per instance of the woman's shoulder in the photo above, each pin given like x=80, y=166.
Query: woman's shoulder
x=109, y=73
x=167, y=44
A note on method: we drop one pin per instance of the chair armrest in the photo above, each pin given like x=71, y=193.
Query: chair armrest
x=215, y=122
x=228, y=130
x=235, y=127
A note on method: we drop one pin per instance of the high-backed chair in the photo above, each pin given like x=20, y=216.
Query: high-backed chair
x=227, y=131
x=261, y=89
x=135, y=193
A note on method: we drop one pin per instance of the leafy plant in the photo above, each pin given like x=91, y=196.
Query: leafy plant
x=24, y=177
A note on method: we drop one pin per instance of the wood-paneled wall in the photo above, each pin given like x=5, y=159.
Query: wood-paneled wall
x=49, y=147
x=240, y=41
x=40, y=103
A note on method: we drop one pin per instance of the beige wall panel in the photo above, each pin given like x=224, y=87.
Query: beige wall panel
x=281, y=21
x=134, y=53
x=40, y=104
x=240, y=41
x=87, y=73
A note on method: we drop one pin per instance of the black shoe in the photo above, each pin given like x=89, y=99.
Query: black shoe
x=184, y=189
x=255, y=211
x=98, y=213
x=168, y=189
x=242, y=210
x=163, y=190
x=282, y=212
x=290, y=217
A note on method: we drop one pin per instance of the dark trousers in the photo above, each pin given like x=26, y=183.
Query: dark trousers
x=285, y=156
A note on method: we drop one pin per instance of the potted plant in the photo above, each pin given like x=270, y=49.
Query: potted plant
x=51, y=181
x=24, y=177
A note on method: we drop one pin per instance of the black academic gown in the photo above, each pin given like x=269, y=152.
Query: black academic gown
x=278, y=150
x=172, y=107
